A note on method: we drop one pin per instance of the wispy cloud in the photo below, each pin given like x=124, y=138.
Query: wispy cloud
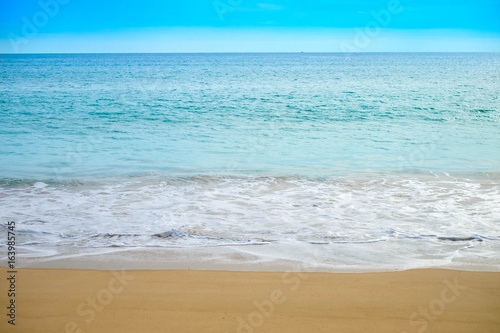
x=269, y=6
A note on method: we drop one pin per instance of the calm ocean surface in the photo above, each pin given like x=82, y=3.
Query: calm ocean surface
x=190, y=150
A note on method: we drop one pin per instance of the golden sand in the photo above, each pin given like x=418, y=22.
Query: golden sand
x=80, y=300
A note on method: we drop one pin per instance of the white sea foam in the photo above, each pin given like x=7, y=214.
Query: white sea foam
x=432, y=217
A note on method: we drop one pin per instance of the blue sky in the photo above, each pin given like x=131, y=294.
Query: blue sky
x=248, y=26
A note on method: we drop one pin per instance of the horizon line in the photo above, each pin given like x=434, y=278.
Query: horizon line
x=243, y=52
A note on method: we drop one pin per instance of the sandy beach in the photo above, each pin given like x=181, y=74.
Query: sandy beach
x=82, y=300
x=233, y=166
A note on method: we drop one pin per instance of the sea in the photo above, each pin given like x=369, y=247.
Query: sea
x=334, y=159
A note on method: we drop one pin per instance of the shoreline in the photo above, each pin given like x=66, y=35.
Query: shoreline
x=330, y=258
x=419, y=300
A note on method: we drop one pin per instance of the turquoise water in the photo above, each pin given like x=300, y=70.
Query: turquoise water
x=79, y=116
x=220, y=149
